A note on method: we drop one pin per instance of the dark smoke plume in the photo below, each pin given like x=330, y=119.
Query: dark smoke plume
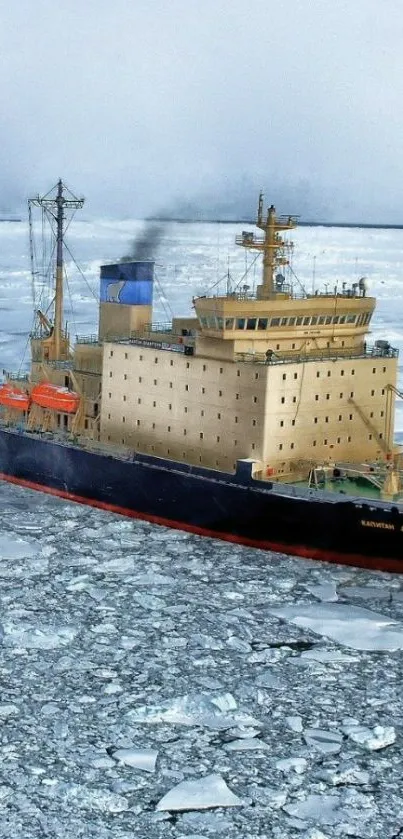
x=146, y=244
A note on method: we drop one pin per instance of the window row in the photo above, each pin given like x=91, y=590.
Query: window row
x=325, y=442
x=215, y=322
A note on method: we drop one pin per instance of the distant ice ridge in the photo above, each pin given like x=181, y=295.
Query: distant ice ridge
x=213, y=711
x=353, y=626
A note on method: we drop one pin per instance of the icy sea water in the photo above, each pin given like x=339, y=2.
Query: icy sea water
x=156, y=684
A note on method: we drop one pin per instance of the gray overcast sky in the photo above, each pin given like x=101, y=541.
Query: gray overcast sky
x=146, y=105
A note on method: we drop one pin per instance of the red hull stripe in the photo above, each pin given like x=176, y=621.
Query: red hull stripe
x=359, y=560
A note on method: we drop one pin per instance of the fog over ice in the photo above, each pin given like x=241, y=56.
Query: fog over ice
x=175, y=106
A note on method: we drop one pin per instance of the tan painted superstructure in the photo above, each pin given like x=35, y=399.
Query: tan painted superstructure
x=285, y=379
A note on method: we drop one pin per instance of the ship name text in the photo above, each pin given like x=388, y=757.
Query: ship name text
x=384, y=525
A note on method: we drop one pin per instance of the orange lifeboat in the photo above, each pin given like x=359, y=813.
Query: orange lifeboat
x=55, y=398
x=13, y=397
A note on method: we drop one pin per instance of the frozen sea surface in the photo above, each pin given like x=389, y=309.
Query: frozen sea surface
x=156, y=684
x=256, y=695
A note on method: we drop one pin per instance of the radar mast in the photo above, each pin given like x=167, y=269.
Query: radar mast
x=274, y=248
x=55, y=205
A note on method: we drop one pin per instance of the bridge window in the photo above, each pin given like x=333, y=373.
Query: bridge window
x=291, y=321
x=299, y=321
x=275, y=322
x=328, y=320
x=306, y=321
x=336, y=319
x=284, y=321
x=229, y=323
x=262, y=323
x=251, y=323
x=240, y=323
x=220, y=323
x=342, y=319
x=321, y=320
x=351, y=318
x=314, y=320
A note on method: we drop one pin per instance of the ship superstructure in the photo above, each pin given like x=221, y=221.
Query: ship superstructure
x=285, y=378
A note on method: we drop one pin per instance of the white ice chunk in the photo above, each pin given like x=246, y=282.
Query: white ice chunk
x=353, y=626
x=327, y=742
x=297, y=764
x=372, y=739
x=245, y=745
x=119, y=565
x=198, y=709
x=94, y=799
x=324, y=591
x=319, y=808
x=144, y=759
x=224, y=702
x=201, y=794
x=11, y=547
x=346, y=775
x=7, y=709
x=295, y=723
x=152, y=578
x=103, y=763
x=327, y=656
x=39, y=637
x=239, y=644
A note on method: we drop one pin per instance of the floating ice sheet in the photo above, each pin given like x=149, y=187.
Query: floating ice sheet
x=38, y=637
x=323, y=809
x=202, y=794
x=144, y=759
x=199, y=709
x=353, y=626
x=372, y=739
x=13, y=548
x=324, y=591
x=327, y=742
x=245, y=745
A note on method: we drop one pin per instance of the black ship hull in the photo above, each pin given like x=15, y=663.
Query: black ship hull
x=237, y=508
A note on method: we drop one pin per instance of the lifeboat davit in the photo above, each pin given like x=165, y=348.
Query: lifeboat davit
x=13, y=397
x=55, y=398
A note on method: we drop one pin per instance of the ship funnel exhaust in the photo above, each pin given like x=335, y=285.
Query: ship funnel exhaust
x=146, y=245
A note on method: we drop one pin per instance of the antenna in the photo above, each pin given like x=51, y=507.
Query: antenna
x=55, y=204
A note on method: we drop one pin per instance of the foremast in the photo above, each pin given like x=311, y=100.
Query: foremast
x=275, y=249
x=54, y=343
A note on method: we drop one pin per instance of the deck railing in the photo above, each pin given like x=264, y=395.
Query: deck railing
x=319, y=355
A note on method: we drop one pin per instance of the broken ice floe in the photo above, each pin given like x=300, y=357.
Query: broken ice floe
x=372, y=739
x=353, y=626
x=201, y=794
x=345, y=774
x=327, y=656
x=13, y=548
x=218, y=712
x=297, y=764
x=144, y=759
x=323, y=591
x=245, y=745
x=295, y=723
x=323, y=809
x=327, y=742
x=39, y=637
x=90, y=798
